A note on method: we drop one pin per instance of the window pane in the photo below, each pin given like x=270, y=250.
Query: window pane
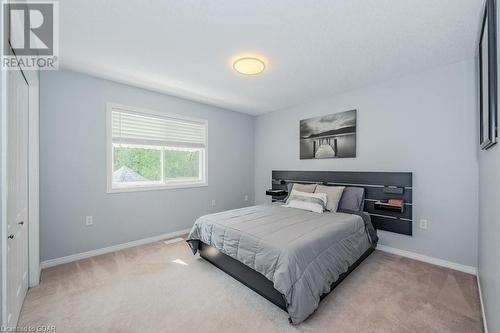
x=182, y=163
x=136, y=164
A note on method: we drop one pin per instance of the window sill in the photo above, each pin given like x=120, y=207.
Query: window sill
x=159, y=187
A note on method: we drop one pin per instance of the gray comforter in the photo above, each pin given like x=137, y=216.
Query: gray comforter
x=301, y=252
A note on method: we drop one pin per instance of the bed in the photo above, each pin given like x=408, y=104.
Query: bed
x=294, y=257
x=301, y=253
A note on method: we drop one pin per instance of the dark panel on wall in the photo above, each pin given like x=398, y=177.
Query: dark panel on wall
x=379, y=186
x=393, y=225
x=377, y=193
x=407, y=212
x=361, y=178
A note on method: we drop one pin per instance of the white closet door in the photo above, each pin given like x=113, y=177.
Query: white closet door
x=17, y=194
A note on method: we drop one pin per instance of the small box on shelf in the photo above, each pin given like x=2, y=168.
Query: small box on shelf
x=392, y=205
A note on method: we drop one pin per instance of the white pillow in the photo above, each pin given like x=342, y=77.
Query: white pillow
x=314, y=202
x=333, y=194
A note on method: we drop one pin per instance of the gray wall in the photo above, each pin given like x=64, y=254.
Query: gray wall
x=489, y=234
x=73, y=167
x=489, y=231
x=422, y=123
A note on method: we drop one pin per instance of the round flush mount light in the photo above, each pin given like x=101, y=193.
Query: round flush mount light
x=249, y=65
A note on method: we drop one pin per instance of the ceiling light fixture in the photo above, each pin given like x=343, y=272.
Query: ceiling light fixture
x=249, y=65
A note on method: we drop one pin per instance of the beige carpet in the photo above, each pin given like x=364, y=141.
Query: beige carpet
x=164, y=288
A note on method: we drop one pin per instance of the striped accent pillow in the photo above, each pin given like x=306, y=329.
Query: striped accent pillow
x=314, y=202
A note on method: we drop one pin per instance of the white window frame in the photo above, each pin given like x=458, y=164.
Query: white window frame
x=174, y=184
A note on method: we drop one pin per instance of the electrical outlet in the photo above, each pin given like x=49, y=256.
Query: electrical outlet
x=213, y=202
x=89, y=220
x=423, y=224
x=246, y=197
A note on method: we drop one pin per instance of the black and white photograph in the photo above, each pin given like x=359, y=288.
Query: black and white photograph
x=331, y=136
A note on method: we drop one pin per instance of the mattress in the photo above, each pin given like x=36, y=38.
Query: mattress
x=301, y=252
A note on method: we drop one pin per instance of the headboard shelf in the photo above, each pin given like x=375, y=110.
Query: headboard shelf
x=283, y=181
x=375, y=200
x=379, y=186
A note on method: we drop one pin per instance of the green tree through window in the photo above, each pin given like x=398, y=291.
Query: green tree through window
x=146, y=162
x=182, y=163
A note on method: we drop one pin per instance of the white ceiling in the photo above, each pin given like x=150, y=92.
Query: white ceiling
x=314, y=48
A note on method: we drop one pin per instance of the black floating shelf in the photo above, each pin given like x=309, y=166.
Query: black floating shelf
x=379, y=205
x=276, y=193
x=393, y=190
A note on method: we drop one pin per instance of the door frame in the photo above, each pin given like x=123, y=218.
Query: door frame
x=3, y=195
x=32, y=78
x=34, y=269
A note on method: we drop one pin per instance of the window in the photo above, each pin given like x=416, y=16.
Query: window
x=150, y=150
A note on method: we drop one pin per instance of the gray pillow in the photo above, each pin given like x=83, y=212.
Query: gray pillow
x=334, y=193
x=352, y=199
x=309, y=188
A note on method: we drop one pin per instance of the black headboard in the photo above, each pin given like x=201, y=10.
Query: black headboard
x=379, y=186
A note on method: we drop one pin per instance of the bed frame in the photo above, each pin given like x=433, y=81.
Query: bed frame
x=378, y=186
x=255, y=280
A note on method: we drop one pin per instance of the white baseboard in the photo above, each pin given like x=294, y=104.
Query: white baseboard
x=485, y=324
x=109, y=249
x=431, y=260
